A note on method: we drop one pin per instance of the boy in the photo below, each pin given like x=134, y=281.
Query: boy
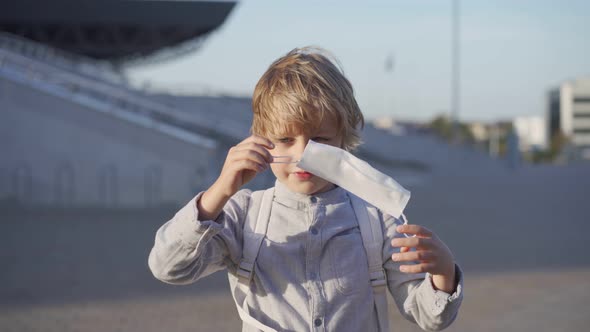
x=310, y=271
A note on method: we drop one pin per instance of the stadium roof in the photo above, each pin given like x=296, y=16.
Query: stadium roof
x=113, y=29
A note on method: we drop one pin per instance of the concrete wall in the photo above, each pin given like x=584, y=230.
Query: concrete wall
x=58, y=152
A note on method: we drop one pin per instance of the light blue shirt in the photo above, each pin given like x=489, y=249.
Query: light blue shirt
x=311, y=273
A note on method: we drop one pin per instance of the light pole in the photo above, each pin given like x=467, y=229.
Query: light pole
x=389, y=66
x=455, y=69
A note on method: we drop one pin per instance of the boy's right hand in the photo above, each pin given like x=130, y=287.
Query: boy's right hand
x=242, y=163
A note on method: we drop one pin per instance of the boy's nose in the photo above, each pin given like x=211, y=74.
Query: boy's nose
x=300, y=148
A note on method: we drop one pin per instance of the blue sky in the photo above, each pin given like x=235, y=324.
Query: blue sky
x=512, y=52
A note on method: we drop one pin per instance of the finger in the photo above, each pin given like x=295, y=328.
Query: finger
x=251, y=155
x=259, y=140
x=249, y=165
x=419, y=255
x=251, y=146
x=413, y=229
x=411, y=242
x=404, y=249
x=417, y=268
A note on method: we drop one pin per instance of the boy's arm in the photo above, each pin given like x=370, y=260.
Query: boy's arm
x=189, y=247
x=241, y=165
x=417, y=296
x=192, y=244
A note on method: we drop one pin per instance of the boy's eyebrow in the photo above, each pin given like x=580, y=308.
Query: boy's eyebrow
x=327, y=133
x=283, y=134
x=280, y=136
x=319, y=134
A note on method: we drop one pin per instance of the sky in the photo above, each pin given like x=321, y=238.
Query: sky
x=512, y=52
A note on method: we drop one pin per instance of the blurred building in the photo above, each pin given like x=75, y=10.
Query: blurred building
x=568, y=110
x=389, y=124
x=479, y=131
x=532, y=132
x=399, y=127
x=73, y=132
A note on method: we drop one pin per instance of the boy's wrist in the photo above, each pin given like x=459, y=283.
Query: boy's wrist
x=212, y=202
x=221, y=191
x=445, y=282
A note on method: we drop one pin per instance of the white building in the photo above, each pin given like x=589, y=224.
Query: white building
x=568, y=108
x=531, y=131
x=389, y=124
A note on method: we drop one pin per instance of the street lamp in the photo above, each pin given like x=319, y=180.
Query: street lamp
x=455, y=68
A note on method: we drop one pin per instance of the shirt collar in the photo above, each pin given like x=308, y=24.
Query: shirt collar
x=287, y=197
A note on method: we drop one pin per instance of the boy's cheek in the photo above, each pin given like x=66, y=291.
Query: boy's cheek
x=277, y=170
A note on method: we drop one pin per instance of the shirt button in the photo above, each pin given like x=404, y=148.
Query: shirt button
x=313, y=199
x=317, y=322
x=314, y=231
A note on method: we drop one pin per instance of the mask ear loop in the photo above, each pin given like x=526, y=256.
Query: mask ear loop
x=405, y=219
x=283, y=160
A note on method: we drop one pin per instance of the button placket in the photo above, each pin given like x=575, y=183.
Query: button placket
x=317, y=302
x=317, y=322
x=313, y=274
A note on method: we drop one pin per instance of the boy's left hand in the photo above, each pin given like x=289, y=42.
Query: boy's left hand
x=431, y=255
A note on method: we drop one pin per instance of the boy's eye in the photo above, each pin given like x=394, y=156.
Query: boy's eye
x=320, y=139
x=284, y=139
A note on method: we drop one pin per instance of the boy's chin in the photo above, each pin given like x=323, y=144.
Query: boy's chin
x=309, y=188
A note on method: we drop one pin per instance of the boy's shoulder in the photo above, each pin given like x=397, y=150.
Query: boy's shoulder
x=386, y=220
x=243, y=193
x=246, y=193
x=244, y=197
x=366, y=205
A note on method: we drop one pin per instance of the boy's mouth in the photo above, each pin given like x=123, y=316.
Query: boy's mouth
x=302, y=175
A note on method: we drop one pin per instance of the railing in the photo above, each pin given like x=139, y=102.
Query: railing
x=83, y=76
x=116, y=100
x=64, y=60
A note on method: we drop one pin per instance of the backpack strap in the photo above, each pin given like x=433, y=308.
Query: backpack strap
x=255, y=227
x=372, y=235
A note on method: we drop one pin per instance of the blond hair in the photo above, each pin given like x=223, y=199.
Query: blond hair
x=301, y=89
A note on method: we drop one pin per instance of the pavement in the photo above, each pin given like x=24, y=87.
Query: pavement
x=520, y=236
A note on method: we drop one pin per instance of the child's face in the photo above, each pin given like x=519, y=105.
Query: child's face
x=293, y=144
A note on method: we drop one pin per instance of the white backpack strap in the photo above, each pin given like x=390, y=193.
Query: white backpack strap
x=372, y=235
x=254, y=231
x=255, y=227
x=246, y=318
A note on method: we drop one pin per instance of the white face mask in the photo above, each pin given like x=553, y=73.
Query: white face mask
x=356, y=176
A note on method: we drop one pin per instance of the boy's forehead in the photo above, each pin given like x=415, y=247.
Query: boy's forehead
x=289, y=129
x=328, y=125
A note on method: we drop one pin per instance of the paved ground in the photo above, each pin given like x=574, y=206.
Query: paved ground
x=520, y=237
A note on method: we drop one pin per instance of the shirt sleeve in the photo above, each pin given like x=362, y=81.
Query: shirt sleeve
x=187, y=248
x=414, y=294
